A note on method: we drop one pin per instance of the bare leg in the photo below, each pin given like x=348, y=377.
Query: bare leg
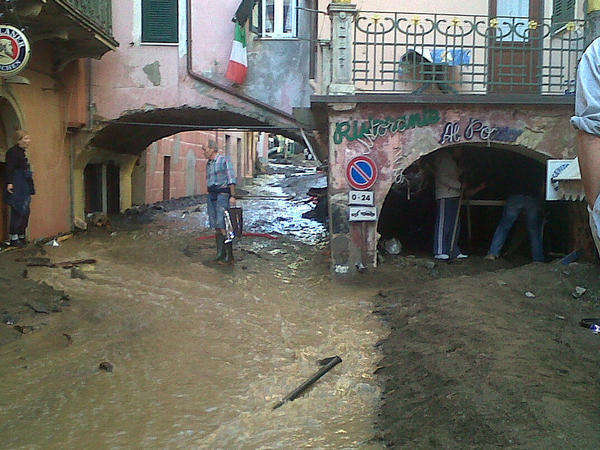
x=588, y=151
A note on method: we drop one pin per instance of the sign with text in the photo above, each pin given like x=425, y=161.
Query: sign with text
x=363, y=214
x=363, y=198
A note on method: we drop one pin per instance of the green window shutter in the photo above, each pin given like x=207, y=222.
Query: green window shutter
x=160, y=21
x=563, y=11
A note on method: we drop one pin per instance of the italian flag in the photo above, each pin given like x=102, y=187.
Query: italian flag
x=238, y=61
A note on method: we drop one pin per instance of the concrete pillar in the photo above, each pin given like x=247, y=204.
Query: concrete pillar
x=125, y=171
x=342, y=15
x=592, y=26
x=78, y=193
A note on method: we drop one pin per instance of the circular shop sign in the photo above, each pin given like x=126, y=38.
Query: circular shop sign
x=361, y=172
x=14, y=50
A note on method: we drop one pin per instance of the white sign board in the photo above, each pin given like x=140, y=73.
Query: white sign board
x=363, y=214
x=553, y=169
x=363, y=198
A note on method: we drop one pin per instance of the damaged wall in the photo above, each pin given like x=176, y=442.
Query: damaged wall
x=395, y=136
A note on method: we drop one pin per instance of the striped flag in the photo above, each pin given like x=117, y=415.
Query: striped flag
x=238, y=61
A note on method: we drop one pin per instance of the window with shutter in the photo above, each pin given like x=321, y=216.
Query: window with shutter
x=563, y=11
x=160, y=21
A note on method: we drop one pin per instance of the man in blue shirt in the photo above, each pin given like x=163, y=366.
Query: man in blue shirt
x=220, y=182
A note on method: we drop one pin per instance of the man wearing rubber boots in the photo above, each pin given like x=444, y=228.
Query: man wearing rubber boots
x=220, y=181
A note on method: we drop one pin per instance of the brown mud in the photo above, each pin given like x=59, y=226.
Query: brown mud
x=471, y=361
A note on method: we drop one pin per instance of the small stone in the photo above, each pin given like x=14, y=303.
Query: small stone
x=37, y=307
x=106, y=366
x=579, y=291
x=78, y=273
x=529, y=294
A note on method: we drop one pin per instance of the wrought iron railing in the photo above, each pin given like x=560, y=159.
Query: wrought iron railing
x=415, y=53
x=98, y=11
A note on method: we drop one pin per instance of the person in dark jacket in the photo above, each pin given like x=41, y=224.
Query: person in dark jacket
x=19, y=188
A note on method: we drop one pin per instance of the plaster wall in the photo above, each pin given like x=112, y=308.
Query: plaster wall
x=401, y=134
x=139, y=76
x=44, y=108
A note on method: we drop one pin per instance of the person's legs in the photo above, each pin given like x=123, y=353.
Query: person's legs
x=447, y=210
x=534, y=229
x=16, y=225
x=23, y=225
x=438, y=235
x=452, y=216
x=510, y=213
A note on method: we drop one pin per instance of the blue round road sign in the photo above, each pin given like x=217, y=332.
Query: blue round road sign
x=361, y=172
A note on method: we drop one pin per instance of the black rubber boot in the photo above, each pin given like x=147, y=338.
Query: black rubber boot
x=228, y=254
x=220, y=240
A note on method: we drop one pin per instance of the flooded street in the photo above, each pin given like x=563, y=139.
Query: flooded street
x=476, y=353
x=200, y=355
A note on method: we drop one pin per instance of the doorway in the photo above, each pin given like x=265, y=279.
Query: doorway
x=514, y=47
x=113, y=192
x=92, y=176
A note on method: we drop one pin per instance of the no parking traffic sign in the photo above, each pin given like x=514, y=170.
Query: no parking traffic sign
x=361, y=172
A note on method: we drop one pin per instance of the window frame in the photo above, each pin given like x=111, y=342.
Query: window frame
x=160, y=42
x=259, y=14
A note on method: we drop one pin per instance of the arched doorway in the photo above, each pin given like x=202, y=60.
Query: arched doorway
x=408, y=212
x=9, y=122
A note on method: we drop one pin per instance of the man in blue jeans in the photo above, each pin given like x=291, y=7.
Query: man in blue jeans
x=533, y=214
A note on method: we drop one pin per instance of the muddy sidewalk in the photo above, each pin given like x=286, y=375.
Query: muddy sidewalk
x=474, y=361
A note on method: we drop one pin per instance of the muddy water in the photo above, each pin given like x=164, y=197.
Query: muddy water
x=200, y=355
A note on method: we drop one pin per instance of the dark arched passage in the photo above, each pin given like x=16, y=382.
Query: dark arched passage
x=408, y=212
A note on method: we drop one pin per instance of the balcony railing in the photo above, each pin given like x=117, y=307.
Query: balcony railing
x=98, y=11
x=414, y=53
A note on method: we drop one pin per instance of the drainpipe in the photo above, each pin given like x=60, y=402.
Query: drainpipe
x=222, y=87
x=90, y=98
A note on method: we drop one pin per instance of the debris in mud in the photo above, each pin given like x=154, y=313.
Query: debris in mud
x=106, y=366
x=69, y=338
x=8, y=319
x=23, y=329
x=45, y=262
x=36, y=307
x=333, y=361
x=578, y=292
x=80, y=224
x=529, y=294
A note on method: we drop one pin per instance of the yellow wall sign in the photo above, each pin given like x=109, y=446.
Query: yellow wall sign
x=14, y=51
